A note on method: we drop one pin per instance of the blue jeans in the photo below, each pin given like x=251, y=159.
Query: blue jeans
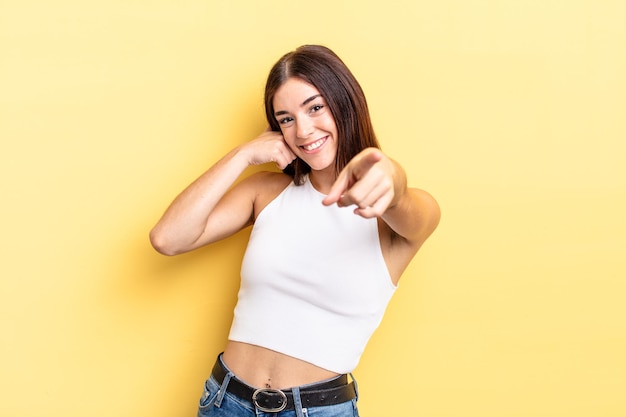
x=217, y=402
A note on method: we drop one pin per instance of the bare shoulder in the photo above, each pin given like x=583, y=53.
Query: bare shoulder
x=266, y=186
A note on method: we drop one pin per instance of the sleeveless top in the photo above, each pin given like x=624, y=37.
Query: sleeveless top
x=314, y=284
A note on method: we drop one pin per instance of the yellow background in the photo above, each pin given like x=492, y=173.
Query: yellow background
x=512, y=113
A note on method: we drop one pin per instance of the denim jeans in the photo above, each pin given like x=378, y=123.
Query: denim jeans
x=217, y=402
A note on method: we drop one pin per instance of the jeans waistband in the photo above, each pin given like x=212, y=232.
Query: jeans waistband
x=330, y=392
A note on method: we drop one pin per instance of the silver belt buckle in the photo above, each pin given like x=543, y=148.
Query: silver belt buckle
x=270, y=391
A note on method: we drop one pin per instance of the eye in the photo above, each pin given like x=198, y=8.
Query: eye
x=315, y=108
x=285, y=120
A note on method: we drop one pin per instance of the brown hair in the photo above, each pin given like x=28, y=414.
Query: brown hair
x=322, y=68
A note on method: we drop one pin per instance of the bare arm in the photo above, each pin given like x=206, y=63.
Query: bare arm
x=209, y=209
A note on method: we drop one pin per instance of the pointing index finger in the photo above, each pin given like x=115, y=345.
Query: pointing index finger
x=340, y=185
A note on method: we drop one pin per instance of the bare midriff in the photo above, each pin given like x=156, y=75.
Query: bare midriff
x=265, y=368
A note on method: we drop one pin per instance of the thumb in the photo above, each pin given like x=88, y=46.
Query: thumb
x=368, y=159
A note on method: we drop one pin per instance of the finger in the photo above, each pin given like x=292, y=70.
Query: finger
x=341, y=184
x=285, y=158
x=367, y=160
x=369, y=189
x=373, y=197
x=364, y=192
x=377, y=209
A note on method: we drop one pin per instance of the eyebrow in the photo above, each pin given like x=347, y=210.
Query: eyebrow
x=304, y=103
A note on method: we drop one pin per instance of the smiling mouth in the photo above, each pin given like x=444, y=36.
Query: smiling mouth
x=313, y=146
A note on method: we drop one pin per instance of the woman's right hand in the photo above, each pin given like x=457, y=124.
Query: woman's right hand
x=269, y=146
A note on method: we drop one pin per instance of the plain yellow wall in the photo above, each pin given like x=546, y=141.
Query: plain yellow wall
x=512, y=113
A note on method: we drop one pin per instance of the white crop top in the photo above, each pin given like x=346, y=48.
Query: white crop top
x=314, y=284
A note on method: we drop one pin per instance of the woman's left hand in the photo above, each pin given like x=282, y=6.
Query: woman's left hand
x=368, y=182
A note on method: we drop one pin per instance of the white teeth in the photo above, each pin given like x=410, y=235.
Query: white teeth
x=314, y=145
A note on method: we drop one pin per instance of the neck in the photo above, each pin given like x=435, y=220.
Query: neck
x=323, y=180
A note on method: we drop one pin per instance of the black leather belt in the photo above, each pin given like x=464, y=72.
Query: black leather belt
x=269, y=400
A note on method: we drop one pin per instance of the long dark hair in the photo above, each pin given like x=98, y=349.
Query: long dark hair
x=322, y=68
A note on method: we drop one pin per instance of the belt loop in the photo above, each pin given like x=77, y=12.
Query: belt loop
x=224, y=386
x=356, y=386
x=297, y=401
x=222, y=390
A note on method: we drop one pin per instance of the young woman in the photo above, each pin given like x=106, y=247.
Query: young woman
x=331, y=237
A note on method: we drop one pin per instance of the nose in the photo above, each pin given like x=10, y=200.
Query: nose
x=304, y=128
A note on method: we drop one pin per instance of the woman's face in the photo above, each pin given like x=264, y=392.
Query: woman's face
x=307, y=123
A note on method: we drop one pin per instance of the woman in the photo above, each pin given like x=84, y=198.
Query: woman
x=331, y=237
